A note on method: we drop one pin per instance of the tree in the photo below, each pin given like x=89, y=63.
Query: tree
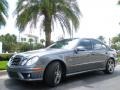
x=101, y=38
x=31, y=45
x=65, y=11
x=30, y=40
x=3, y=12
x=9, y=42
x=42, y=41
x=119, y=2
x=116, y=42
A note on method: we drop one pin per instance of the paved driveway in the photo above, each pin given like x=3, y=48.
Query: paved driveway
x=87, y=81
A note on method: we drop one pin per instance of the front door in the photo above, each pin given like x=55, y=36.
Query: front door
x=80, y=59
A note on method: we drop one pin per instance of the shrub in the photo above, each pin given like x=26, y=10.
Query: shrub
x=5, y=57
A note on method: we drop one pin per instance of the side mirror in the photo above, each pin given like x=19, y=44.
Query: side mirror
x=80, y=48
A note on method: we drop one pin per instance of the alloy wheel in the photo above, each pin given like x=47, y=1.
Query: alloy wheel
x=111, y=66
x=58, y=74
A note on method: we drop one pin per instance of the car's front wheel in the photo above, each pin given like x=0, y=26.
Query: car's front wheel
x=53, y=74
x=110, y=66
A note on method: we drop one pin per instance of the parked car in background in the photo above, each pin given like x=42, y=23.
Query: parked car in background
x=63, y=58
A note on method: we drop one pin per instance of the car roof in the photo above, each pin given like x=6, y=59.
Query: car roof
x=80, y=39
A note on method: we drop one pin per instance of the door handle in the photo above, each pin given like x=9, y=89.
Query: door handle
x=92, y=53
x=106, y=52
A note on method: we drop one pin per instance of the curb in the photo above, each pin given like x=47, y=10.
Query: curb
x=3, y=72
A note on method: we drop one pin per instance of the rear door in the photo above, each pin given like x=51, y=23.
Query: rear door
x=98, y=55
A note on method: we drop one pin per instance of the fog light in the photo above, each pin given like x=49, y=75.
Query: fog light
x=29, y=75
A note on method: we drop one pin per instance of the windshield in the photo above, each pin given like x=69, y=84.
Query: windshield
x=65, y=44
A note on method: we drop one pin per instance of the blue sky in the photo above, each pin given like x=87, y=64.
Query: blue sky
x=100, y=17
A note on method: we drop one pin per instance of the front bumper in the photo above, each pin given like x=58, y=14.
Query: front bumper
x=25, y=74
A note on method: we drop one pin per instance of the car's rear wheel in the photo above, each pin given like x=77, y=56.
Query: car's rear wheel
x=53, y=74
x=110, y=66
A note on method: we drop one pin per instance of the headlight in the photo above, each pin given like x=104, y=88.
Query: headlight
x=32, y=61
x=9, y=62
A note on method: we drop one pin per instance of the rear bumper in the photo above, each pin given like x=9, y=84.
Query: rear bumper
x=26, y=74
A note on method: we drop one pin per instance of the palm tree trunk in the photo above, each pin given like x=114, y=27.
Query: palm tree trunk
x=48, y=38
x=47, y=31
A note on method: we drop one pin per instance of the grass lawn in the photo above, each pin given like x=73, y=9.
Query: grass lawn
x=3, y=65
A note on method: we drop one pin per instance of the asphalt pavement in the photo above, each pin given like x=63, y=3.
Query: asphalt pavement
x=86, y=81
x=3, y=72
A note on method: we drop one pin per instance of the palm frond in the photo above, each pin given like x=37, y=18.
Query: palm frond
x=27, y=16
x=4, y=7
x=2, y=20
x=3, y=12
x=71, y=14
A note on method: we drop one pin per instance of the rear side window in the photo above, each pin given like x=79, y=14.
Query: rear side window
x=86, y=44
x=97, y=45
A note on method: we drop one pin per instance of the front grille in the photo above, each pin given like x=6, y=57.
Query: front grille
x=17, y=60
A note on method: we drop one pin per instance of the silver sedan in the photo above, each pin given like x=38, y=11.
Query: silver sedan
x=63, y=58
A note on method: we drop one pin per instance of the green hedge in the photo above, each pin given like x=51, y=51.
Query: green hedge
x=5, y=56
x=3, y=65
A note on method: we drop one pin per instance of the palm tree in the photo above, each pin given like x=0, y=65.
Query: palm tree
x=66, y=12
x=3, y=12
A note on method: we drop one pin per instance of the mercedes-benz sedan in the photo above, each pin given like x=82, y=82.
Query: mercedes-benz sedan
x=63, y=58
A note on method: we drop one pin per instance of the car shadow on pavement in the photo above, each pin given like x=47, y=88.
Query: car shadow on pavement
x=71, y=82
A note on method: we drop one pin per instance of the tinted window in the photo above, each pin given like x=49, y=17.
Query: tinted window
x=65, y=44
x=86, y=44
x=98, y=45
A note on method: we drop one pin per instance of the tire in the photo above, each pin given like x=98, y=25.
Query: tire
x=53, y=74
x=110, y=66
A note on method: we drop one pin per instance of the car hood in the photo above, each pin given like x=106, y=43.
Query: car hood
x=42, y=52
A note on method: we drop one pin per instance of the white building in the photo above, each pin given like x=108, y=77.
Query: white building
x=27, y=37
